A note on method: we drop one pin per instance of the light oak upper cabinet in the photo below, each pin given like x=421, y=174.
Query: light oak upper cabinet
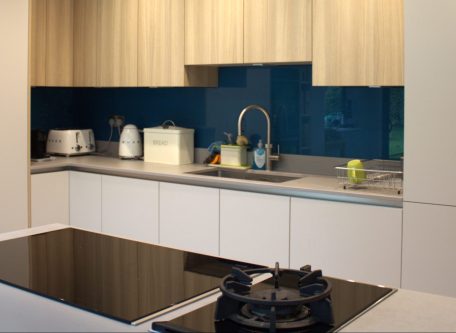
x=117, y=47
x=38, y=43
x=358, y=43
x=277, y=31
x=85, y=43
x=52, y=43
x=161, y=47
x=214, y=32
x=59, y=43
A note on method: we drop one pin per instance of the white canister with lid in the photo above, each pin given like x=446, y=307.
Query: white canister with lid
x=169, y=144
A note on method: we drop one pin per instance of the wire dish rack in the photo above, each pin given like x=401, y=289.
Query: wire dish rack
x=375, y=174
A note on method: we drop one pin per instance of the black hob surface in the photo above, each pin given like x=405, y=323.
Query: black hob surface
x=117, y=278
x=349, y=299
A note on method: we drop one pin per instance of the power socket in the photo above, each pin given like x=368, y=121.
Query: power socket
x=116, y=121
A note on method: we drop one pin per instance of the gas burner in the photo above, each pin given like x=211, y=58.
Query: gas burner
x=300, y=305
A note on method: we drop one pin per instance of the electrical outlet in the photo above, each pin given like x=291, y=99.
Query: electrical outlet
x=116, y=121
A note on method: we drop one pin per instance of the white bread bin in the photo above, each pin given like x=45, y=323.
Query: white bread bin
x=169, y=144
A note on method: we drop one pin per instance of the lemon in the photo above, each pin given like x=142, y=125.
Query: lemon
x=355, y=172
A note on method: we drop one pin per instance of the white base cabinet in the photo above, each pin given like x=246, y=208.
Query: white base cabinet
x=254, y=227
x=189, y=218
x=130, y=208
x=85, y=201
x=429, y=248
x=349, y=241
x=50, y=198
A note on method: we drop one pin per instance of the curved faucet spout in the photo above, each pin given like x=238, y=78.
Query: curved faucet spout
x=268, y=146
x=262, y=110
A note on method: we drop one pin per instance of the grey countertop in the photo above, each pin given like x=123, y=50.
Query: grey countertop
x=307, y=186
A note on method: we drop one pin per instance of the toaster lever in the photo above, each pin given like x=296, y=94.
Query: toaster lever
x=78, y=146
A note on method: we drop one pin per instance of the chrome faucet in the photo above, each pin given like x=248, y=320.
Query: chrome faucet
x=268, y=146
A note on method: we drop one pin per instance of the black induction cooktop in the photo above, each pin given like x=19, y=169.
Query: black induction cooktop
x=121, y=279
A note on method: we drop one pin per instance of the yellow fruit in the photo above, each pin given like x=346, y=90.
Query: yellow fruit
x=355, y=172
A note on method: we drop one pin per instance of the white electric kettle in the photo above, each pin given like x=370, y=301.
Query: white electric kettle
x=130, y=144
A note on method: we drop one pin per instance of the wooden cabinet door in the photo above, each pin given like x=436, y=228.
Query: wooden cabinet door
x=50, y=198
x=85, y=201
x=51, y=54
x=277, y=31
x=161, y=43
x=349, y=241
x=358, y=43
x=117, y=46
x=85, y=43
x=214, y=32
x=161, y=47
x=59, y=43
x=189, y=218
x=254, y=227
x=38, y=43
x=130, y=208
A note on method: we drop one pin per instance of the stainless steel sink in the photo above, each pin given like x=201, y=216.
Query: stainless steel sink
x=262, y=176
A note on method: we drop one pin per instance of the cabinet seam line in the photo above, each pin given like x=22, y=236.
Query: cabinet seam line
x=219, y=219
x=158, y=213
x=289, y=232
x=402, y=249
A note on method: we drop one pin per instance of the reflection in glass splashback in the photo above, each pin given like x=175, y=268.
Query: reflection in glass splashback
x=357, y=122
x=354, y=122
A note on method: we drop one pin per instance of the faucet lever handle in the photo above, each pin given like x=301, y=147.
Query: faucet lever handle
x=278, y=150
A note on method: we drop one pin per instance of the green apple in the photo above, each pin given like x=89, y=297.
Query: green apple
x=355, y=172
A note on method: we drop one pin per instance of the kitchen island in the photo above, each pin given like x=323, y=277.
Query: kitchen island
x=22, y=311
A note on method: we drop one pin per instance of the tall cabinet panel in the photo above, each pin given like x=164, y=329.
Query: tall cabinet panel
x=429, y=248
x=277, y=31
x=358, y=42
x=38, y=43
x=14, y=175
x=430, y=137
x=214, y=32
x=429, y=146
x=85, y=43
x=117, y=56
x=59, y=43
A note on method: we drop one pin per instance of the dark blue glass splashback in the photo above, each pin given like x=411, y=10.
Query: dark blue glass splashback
x=355, y=122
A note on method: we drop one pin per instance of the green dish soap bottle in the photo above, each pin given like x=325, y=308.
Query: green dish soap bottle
x=259, y=157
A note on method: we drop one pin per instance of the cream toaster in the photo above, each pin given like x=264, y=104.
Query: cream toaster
x=70, y=142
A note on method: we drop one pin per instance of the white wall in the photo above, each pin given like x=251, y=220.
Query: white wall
x=13, y=114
